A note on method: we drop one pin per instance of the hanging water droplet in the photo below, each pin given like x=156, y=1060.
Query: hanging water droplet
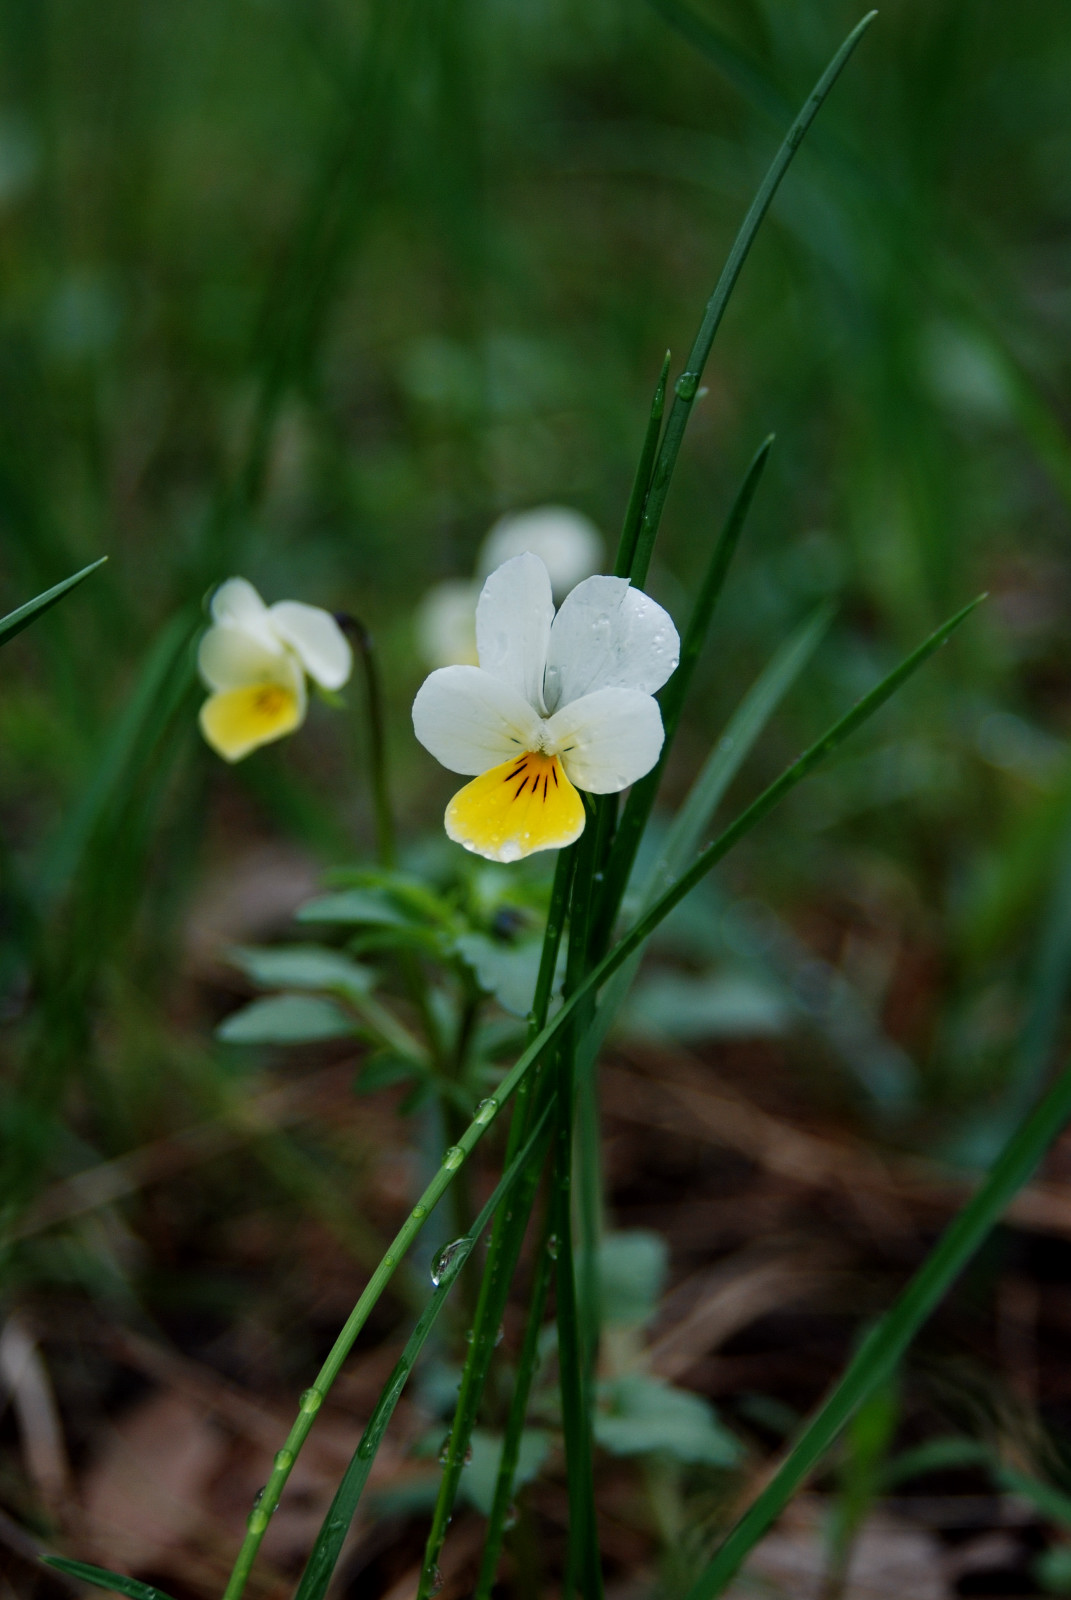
x=500, y=1335
x=435, y=1581
x=485, y=1112
x=444, y=1451
x=258, y=1497
x=552, y=1247
x=420, y=1212
x=284, y=1460
x=510, y=1519
x=311, y=1401
x=453, y=1158
x=445, y=1259
x=686, y=385
x=470, y=1335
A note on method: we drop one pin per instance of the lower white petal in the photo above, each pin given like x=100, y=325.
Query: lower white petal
x=608, y=635
x=608, y=739
x=230, y=657
x=471, y=721
x=320, y=643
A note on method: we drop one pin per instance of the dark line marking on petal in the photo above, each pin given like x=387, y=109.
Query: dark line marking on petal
x=554, y=774
x=544, y=788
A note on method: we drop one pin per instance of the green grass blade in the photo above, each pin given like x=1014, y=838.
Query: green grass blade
x=642, y=796
x=115, y=1582
x=336, y=1524
x=687, y=384
x=15, y=621
x=630, y=531
x=885, y=1344
x=703, y=799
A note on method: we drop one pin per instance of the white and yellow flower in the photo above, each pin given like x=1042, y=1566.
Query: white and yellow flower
x=569, y=545
x=558, y=703
x=255, y=659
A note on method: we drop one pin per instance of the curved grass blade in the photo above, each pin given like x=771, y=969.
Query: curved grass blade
x=336, y=1524
x=15, y=621
x=455, y=1158
x=115, y=1582
x=885, y=1344
x=687, y=384
x=642, y=796
x=630, y=531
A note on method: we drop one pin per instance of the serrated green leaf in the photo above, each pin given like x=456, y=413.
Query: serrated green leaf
x=481, y=1471
x=15, y=621
x=103, y=1579
x=303, y=966
x=287, y=1019
x=646, y=1417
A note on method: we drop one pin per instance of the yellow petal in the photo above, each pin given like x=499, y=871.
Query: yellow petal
x=524, y=805
x=238, y=720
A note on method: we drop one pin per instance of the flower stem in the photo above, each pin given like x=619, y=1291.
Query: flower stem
x=355, y=629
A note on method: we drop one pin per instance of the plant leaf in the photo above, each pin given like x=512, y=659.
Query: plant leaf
x=287, y=1019
x=114, y=1581
x=15, y=621
x=303, y=966
x=647, y=1416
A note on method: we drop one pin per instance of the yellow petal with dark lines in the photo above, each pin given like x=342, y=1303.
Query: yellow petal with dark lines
x=524, y=805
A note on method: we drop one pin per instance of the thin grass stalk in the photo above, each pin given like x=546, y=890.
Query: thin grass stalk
x=687, y=384
x=642, y=796
x=527, y=1363
x=641, y=483
x=886, y=1343
x=632, y=941
x=377, y=736
x=21, y=618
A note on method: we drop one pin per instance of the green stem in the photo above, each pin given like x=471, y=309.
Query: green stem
x=377, y=736
x=630, y=531
x=687, y=384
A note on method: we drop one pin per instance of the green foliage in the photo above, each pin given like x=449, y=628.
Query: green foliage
x=640, y=1415
x=287, y=1019
x=15, y=621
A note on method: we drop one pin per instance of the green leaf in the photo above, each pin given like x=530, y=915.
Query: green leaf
x=646, y=1416
x=673, y=1005
x=481, y=1472
x=358, y=907
x=15, y=621
x=114, y=1581
x=287, y=1019
x=303, y=966
x=632, y=1272
x=508, y=971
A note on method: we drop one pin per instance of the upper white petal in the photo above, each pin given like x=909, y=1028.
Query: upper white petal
x=471, y=721
x=321, y=645
x=608, y=635
x=608, y=739
x=236, y=604
x=513, y=620
x=569, y=544
x=231, y=657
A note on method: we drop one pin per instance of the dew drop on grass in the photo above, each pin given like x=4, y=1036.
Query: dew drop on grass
x=552, y=1247
x=445, y=1260
x=420, y=1212
x=284, y=1460
x=453, y=1158
x=311, y=1401
x=485, y=1112
x=435, y=1581
x=444, y=1451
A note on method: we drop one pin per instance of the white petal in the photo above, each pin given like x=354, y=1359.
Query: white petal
x=230, y=658
x=513, y=620
x=471, y=721
x=446, y=624
x=236, y=604
x=608, y=635
x=321, y=645
x=569, y=544
x=608, y=739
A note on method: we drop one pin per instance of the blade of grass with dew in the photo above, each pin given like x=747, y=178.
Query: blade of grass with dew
x=15, y=621
x=704, y=797
x=886, y=1343
x=641, y=799
x=114, y=1582
x=507, y=1237
x=687, y=384
x=632, y=941
x=336, y=1524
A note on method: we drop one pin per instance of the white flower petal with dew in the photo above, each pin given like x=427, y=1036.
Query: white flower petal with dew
x=608, y=739
x=230, y=657
x=513, y=618
x=236, y=604
x=315, y=636
x=568, y=543
x=608, y=635
x=471, y=721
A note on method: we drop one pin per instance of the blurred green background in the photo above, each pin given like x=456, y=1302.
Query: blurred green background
x=312, y=292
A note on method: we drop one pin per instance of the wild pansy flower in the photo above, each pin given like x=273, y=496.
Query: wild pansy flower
x=255, y=659
x=569, y=545
x=558, y=703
